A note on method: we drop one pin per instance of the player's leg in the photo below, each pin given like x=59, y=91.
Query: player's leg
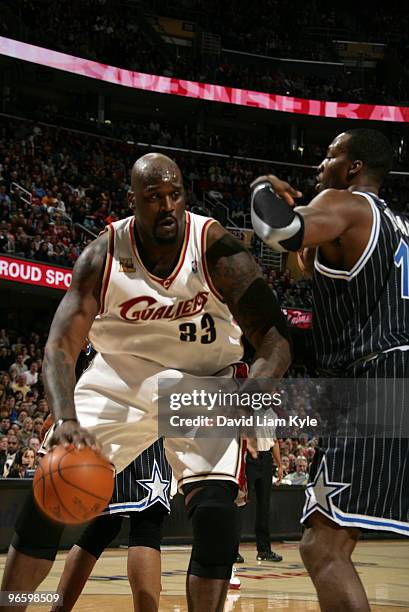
x=208, y=471
x=326, y=550
x=144, y=561
x=211, y=508
x=78, y=566
x=82, y=558
x=144, y=571
x=32, y=551
x=263, y=493
x=262, y=487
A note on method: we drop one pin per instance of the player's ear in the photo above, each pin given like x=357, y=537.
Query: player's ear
x=354, y=169
x=131, y=199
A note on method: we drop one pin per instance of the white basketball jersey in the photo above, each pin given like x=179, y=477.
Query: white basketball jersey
x=178, y=322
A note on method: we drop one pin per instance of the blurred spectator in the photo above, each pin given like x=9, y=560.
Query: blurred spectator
x=20, y=385
x=34, y=444
x=4, y=425
x=3, y=453
x=26, y=431
x=18, y=367
x=300, y=476
x=23, y=466
x=4, y=339
x=12, y=450
x=37, y=426
x=285, y=465
x=31, y=376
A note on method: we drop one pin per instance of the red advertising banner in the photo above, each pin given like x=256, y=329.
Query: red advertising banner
x=299, y=318
x=203, y=91
x=33, y=273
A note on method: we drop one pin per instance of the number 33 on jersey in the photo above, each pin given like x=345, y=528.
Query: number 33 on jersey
x=178, y=322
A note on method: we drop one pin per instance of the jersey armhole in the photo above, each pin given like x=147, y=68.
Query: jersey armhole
x=348, y=275
x=108, y=267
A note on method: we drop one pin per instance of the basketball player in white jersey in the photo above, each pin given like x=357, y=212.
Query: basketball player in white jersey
x=159, y=295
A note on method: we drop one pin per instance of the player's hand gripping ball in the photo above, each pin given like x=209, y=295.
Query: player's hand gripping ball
x=73, y=485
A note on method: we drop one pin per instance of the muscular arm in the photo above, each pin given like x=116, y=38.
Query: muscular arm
x=70, y=326
x=236, y=276
x=331, y=214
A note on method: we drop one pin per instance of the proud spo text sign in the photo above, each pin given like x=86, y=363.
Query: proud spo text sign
x=33, y=273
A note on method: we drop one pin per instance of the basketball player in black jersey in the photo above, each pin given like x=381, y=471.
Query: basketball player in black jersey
x=361, y=330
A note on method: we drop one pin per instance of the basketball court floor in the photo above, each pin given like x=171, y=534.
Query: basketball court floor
x=382, y=565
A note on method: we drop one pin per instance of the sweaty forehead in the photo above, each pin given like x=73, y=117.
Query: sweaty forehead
x=156, y=173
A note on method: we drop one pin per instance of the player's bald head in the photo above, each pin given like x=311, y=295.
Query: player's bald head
x=153, y=169
x=157, y=199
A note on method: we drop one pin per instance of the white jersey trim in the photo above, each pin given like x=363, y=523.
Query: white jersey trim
x=348, y=275
x=108, y=267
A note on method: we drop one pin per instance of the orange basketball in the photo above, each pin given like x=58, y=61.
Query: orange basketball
x=73, y=486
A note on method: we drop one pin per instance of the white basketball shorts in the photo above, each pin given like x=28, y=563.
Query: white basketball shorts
x=116, y=399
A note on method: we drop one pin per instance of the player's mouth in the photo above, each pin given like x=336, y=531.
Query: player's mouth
x=167, y=222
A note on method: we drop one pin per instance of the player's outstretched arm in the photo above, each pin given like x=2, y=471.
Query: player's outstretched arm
x=285, y=228
x=237, y=278
x=69, y=329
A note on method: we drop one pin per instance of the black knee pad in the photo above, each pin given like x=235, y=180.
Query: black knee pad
x=215, y=531
x=146, y=527
x=35, y=534
x=100, y=533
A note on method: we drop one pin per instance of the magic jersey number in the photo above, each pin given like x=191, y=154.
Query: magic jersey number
x=401, y=260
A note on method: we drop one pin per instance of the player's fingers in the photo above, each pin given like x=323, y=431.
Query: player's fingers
x=92, y=442
x=295, y=193
x=289, y=194
x=84, y=438
x=61, y=438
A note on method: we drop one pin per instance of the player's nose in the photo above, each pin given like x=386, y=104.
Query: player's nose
x=168, y=204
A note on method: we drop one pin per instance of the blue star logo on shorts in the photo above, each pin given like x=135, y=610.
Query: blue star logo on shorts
x=321, y=491
x=157, y=486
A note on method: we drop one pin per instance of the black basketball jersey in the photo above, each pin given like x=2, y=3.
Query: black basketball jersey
x=365, y=310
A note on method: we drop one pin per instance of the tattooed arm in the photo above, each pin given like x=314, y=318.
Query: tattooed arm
x=69, y=329
x=237, y=278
